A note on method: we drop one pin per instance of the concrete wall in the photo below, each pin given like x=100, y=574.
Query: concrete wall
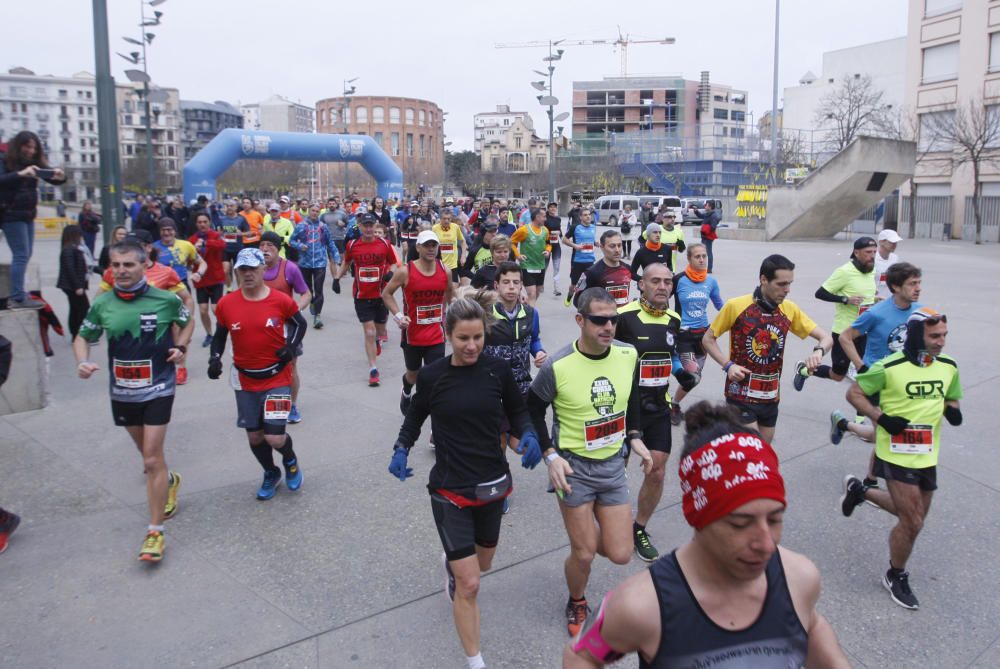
x=25, y=389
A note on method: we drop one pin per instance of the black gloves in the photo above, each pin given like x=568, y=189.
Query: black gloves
x=336, y=286
x=953, y=414
x=214, y=367
x=893, y=424
x=286, y=353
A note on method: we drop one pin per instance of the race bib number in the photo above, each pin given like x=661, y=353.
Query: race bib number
x=586, y=248
x=429, y=314
x=881, y=277
x=368, y=274
x=914, y=440
x=277, y=407
x=604, y=431
x=447, y=248
x=654, y=373
x=230, y=237
x=620, y=293
x=133, y=373
x=763, y=386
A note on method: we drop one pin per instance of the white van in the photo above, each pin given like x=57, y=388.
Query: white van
x=610, y=207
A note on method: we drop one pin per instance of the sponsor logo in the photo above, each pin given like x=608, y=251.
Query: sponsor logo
x=765, y=344
x=920, y=390
x=603, y=396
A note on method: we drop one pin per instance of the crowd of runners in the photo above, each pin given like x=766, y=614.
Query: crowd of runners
x=460, y=282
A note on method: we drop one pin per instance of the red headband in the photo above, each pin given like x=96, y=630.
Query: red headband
x=725, y=474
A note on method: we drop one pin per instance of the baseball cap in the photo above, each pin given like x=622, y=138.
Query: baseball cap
x=890, y=235
x=273, y=207
x=141, y=236
x=490, y=227
x=864, y=242
x=284, y=198
x=367, y=219
x=414, y=203
x=426, y=236
x=653, y=227
x=249, y=258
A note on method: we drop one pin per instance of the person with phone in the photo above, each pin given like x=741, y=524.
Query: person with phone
x=23, y=165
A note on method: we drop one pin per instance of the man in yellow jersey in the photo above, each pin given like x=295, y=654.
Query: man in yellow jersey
x=672, y=237
x=279, y=225
x=450, y=242
x=592, y=385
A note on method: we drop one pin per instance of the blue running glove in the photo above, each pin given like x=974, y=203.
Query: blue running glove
x=397, y=466
x=530, y=449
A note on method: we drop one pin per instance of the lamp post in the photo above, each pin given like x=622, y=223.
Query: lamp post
x=774, y=95
x=444, y=187
x=107, y=124
x=551, y=101
x=344, y=111
x=142, y=76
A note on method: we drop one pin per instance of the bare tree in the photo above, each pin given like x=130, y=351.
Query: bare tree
x=972, y=133
x=856, y=107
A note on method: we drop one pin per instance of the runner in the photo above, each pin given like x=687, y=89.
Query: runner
x=232, y=226
x=532, y=249
x=313, y=241
x=179, y=254
x=653, y=329
x=283, y=227
x=336, y=220
x=372, y=258
x=592, y=385
x=581, y=238
x=148, y=332
x=694, y=288
x=467, y=395
x=451, y=242
x=758, y=324
x=554, y=223
x=210, y=246
x=852, y=290
x=672, y=237
x=916, y=387
x=486, y=275
x=609, y=272
x=409, y=230
x=731, y=596
x=261, y=374
x=479, y=251
x=426, y=290
x=255, y=222
x=286, y=277
x=884, y=259
x=652, y=251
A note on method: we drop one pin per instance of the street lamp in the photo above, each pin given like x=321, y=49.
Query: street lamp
x=550, y=101
x=349, y=90
x=444, y=188
x=107, y=123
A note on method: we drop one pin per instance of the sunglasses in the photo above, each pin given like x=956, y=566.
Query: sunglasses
x=600, y=321
x=934, y=320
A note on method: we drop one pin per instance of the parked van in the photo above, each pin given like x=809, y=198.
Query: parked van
x=610, y=207
x=699, y=204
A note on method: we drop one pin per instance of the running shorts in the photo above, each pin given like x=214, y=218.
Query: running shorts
x=372, y=309
x=596, y=481
x=209, y=294
x=151, y=412
x=265, y=410
x=461, y=530
x=925, y=479
x=415, y=357
x=765, y=415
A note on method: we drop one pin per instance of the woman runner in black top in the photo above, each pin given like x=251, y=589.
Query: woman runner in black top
x=466, y=396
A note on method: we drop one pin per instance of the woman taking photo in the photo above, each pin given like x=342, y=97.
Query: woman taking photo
x=117, y=235
x=23, y=166
x=73, y=276
x=467, y=395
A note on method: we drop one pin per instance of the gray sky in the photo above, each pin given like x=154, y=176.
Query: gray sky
x=243, y=51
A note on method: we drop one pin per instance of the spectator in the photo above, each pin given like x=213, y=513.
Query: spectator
x=90, y=224
x=709, y=222
x=73, y=276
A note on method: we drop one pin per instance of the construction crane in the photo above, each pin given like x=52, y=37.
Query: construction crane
x=621, y=42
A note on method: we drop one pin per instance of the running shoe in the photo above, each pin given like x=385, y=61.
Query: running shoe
x=294, y=416
x=182, y=376
x=836, y=431
x=293, y=475
x=317, y=323
x=557, y=292
x=644, y=548
x=569, y=298
x=272, y=479
x=576, y=615
x=152, y=547
x=449, y=579
x=854, y=494
x=404, y=400
x=207, y=341
x=173, y=485
x=899, y=588
x=798, y=380
x=506, y=505
x=676, y=414
x=8, y=523
x=373, y=379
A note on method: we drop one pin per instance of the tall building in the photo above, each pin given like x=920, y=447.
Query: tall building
x=953, y=61
x=516, y=163
x=409, y=130
x=278, y=114
x=493, y=125
x=165, y=125
x=202, y=121
x=62, y=111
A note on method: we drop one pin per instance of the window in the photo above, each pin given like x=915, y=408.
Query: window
x=932, y=126
x=409, y=116
x=79, y=110
x=994, y=52
x=720, y=114
x=423, y=117
x=738, y=115
x=409, y=144
x=421, y=145
x=393, y=114
x=83, y=143
x=361, y=115
x=378, y=114
x=333, y=116
x=935, y=7
x=993, y=126
x=128, y=149
x=379, y=138
x=940, y=63
x=83, y=126
x=394, y=138
x=127, y=119
x=347, y=114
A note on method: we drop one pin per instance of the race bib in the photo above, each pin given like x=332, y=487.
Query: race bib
x=429, y=314
x=914, y=440
x=368, y=274
x=553, y=237
x=763, y=386
x=881, y=277
x=230, y=237
x=620, y=293
x=133, y=373
x=654, y=373
x=604, y=431
x=586, y=248
x=447, y=248
x=277, y=407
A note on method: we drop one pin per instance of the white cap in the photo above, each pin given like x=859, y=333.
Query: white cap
x=889, y=235
x=427, y=236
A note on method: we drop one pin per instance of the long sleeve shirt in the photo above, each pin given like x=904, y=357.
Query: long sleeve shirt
x=313, y=241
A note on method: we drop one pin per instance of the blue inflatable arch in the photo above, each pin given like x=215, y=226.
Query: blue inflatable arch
x=233, y=144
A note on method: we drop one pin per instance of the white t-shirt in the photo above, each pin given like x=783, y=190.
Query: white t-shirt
x=881, y=265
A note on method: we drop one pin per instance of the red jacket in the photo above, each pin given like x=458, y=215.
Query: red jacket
x=212, y=250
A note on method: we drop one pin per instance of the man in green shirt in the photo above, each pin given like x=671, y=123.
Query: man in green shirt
x=916, y=387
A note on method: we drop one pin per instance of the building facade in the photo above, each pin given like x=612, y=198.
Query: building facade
x=516, y=163
x=278, y=114
x=62, y=111
x=166, y=128
x=202, y=121
x=492, y=126
x=409, y=130
x=953, y=63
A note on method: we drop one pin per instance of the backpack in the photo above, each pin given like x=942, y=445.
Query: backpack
x=626, y=226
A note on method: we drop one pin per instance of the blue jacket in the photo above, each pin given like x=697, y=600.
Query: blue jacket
x=313, y=241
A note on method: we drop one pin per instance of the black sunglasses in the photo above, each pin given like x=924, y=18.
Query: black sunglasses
x=934, y=320
x=600, y=320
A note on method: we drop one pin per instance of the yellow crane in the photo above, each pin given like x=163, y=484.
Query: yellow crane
x=621, y=43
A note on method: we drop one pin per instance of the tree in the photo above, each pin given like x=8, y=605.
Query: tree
x=261, y=177
x=462, y=168
x=855, y=107
x=972, y=133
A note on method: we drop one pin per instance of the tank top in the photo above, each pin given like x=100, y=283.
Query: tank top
x=533, y=248
x=280, y=282
x=689, y=638
x=423, y=304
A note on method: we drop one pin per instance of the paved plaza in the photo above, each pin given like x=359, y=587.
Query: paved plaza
x=347, y=571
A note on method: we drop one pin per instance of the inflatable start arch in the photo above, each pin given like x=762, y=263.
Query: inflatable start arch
x=233, y=144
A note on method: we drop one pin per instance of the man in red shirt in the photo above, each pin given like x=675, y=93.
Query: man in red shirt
x=261, y=374
x=210, y=246
x=372, y=258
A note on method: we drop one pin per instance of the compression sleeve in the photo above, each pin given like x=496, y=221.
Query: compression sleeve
x=536, y=334
x=219, y=340
x=715, y=295
x=632, y=418
x=513, y=404
x=536, y=409
x=297, y=328
x=826, y=296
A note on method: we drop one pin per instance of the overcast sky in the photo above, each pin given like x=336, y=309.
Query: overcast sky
x=243, y=51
